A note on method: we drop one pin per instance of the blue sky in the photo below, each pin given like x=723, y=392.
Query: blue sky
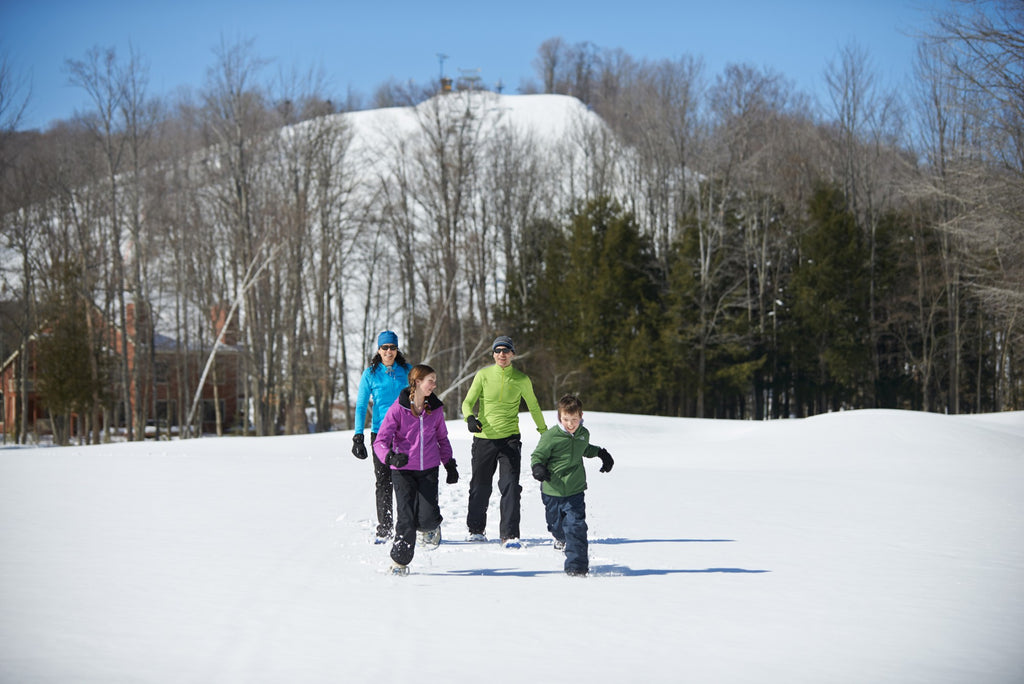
x=361, y=44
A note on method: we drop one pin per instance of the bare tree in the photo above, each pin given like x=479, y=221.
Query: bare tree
x=21, y=231
x=657, y=118
x=868, y=121
x=188, y=280
x=140, y=117
x=548, y=62
x=582, y=70
x=979, y=155
x=735, y=217
x=18, y=228
x=393, y=93
x=99, y=75
x=121, y=121
x=237, y=124
x=430, y=196
x=14, y=98
x=71, y=209
x=591, y=154
x=583, y=62
x=947, y=124
x=517, y=183
x=986, y=48
x=313, y=184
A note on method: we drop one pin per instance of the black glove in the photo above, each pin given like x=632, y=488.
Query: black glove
x=395, y=459
x=541, y=473
x=358, y=450
x=606, y=461
x=453, y=472
x=474, y=424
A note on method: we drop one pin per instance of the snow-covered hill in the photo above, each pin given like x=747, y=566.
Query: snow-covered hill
x=869, y=546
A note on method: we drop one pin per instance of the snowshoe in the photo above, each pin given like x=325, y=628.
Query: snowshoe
x=476, y=537
x=430, y=539
x=399, y=570
x=512, y=543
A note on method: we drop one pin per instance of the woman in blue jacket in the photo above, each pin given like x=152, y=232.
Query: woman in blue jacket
x=386, y=377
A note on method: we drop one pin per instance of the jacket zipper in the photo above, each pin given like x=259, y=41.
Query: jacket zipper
x=421, y=433
x=504, y=381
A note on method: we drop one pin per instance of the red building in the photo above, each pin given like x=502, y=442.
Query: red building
x=166, y=395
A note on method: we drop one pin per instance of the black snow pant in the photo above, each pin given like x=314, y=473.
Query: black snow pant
x=384, y=493
x=416, y=508
x=503, y=455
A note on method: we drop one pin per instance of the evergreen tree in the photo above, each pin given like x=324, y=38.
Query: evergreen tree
x=598, y=309
x=896, y=280
x=682, y=324
x=63, y=375
x=830, y=299
x=712, y=331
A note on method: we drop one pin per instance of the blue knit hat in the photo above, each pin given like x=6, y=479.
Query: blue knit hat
x=387, y=337
x=503, y=341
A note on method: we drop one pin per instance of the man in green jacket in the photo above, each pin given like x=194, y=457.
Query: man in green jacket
x=496, y=443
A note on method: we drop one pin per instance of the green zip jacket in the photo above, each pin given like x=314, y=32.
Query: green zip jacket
x=562, y=454
x=499, y=391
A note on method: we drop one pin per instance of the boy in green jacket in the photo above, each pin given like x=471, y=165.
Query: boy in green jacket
x=557, y=463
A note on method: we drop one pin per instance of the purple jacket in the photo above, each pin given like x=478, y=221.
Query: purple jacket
x=424, y=438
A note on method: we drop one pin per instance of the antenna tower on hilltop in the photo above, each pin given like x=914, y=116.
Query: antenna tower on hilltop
x=470, y=79
x=446, y=83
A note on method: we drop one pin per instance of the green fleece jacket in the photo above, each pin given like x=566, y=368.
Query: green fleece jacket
x=562, y=454
x=499, y=390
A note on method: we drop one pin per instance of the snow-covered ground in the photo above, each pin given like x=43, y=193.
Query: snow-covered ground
x=861, y=547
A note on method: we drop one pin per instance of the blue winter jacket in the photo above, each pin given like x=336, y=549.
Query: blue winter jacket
x=383, y=384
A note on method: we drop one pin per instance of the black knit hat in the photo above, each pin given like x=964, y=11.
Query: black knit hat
x=503, y=341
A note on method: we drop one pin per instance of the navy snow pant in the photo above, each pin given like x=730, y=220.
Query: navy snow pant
x=567, y=520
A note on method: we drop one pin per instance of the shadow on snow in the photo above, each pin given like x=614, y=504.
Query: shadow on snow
x=620, y=540
x=546, y=541
x=596, y=571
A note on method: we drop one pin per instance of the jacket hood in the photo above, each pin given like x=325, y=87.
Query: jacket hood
x=432, y=402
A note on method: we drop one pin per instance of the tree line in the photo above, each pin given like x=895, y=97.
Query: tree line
x=689, y=245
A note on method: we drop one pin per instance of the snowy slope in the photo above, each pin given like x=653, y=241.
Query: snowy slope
x=381, y=138
x=384, y=140
x=869, y=546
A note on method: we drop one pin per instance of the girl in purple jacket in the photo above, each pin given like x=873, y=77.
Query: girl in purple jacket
x=413, y=440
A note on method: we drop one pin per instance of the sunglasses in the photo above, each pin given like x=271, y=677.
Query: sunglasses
x=502, y=350
x=389, y=347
